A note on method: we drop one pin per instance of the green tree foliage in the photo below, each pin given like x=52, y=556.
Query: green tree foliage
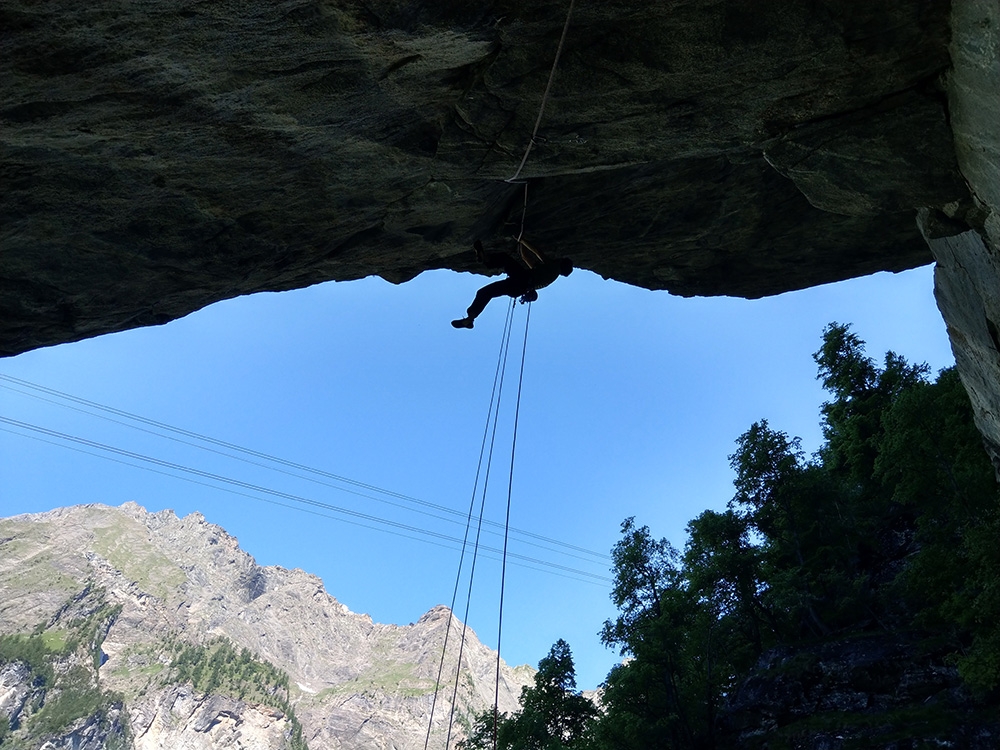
x=892, y=526
x=724, y=569
x=863, y=393
x=937, y=477
x=30, y=650
x=886, y=526
x=651, y=700
x=77, y=697
x=63, y=664
x=217, y=667
x=553, y=715
x=922, y=497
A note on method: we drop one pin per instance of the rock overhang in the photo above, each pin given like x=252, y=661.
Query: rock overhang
x=161, y=158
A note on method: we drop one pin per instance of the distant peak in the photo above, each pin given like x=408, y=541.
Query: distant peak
x=435, y=613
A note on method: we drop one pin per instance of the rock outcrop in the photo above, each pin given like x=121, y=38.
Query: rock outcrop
x=870, y=690
x=205, y=722
x=162, y=157
x=158, y=159
x=966, y=244
x=165, y=594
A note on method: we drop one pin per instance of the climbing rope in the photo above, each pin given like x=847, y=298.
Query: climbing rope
x=491, y=418
x=510, y=487
x=475, y=549
x=485, y=459
x=545, y=95
x=538, y=120
x=524, y=213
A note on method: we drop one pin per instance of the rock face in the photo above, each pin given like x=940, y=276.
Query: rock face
x=872, y=691
x=168, y=592
x=161, y=157
x=179, y=717
x=15, y=688
x=967, y=246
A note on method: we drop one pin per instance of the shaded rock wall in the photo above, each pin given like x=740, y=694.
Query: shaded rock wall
x=163, y=156
x=966, y=241
x=873, y=691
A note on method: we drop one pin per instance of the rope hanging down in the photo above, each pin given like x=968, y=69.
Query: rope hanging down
x=487, y=457
x=491, y=417
x=510, y=487
x=475, y=552
x=545, y=95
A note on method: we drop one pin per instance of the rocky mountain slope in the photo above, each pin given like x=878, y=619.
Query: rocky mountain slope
x=160, y=632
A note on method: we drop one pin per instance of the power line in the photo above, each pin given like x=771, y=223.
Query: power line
x=309, y=470
x=279, y=494
x=346, y=490
x=279, y=504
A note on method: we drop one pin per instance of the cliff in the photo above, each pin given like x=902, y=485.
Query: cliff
x=158, y=159
x=177, y=635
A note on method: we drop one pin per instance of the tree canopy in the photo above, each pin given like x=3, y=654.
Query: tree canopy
x=891, y=527
x=553, y=715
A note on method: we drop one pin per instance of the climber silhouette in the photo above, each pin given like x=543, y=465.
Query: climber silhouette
x=522, y=280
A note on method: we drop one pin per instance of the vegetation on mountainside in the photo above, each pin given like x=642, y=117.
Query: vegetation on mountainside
x=62, y=664
x=124, y=545
x=891, y=527
x=217, y=667
x=382, y=676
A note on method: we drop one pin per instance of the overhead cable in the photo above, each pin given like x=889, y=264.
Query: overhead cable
x=309, y=470
x=276, y=493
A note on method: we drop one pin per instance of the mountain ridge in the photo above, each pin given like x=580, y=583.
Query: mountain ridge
x=184, y=583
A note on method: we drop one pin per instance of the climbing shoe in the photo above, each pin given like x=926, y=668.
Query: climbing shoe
x=462, y=323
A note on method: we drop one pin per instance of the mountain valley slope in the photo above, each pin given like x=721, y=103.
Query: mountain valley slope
x=175, y=637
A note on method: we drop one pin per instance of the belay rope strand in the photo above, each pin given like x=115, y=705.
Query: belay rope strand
x=506, y=526
x=491, y=416
x=524, y=347
x=545, y=96
x=475, y=553
x=485, y=456
x=538, y=120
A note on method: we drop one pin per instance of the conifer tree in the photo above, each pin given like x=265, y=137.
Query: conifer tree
x=553, y=715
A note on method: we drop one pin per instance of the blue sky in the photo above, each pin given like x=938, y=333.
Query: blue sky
x=632, y=401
